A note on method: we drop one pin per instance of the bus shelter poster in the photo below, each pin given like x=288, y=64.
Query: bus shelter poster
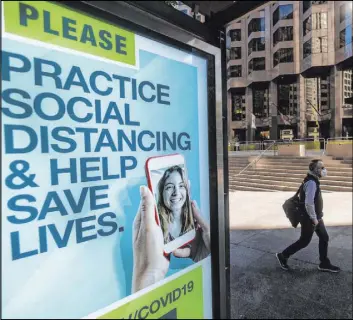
x=104, y=203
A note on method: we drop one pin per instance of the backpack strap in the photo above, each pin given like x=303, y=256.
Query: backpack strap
x=298, y=191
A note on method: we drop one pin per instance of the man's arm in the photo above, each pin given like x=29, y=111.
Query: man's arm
x=310, y=190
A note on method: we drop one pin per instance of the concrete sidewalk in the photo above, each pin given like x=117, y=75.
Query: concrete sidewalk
x=260, y=288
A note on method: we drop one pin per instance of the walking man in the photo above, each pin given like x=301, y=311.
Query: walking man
x=311, y=219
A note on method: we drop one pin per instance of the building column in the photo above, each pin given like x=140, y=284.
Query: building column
x=301, y=116
x=229, y=104
x=274, y=110
x=250, y=132
x=336, y=102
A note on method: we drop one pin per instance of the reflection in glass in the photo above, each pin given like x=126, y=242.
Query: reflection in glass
x=234, y=71
x=235, y=34
x=255, y=25
x=235, y=53
x=288, y=99
x=282, y=56
x=283, y=34
x=238, y=107
x=346, y=36
x=283, y=12
x=256, y=44
x=261, y=102
x=256, y=64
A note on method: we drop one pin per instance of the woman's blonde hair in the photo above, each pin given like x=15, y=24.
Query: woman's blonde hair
x=164, y=213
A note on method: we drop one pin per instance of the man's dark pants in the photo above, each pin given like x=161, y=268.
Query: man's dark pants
x=307, y=231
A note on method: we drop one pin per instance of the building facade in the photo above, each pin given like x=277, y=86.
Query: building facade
x=290, y=65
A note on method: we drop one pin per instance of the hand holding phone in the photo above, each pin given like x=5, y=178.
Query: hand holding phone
x=150, y=265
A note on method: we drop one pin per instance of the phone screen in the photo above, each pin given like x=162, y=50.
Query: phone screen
x=169, y=183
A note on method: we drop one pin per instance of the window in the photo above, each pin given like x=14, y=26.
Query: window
x=346, y=36
x=315, y=95
x=234, y=72
x=319, y=21
x=256, y=44
x=261, y=102
x=307, y=23
x=283, y=34
x=283, y=55
x=285, y=93
x=345, y=12
x=238, y=107
x=257, y=64
x=284, y=12
x=256, y=24
x=308, y=4
x=235, y=53
x=319, y=45
x=307, y=49
x=235, y=35
x=316, y=21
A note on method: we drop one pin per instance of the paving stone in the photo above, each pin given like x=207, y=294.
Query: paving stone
x=237, y=236
x=242, y=257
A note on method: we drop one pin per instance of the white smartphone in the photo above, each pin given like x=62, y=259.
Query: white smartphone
x=167, y=179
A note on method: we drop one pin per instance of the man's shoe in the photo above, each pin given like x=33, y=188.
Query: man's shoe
x=282, y=261
x=328, y=267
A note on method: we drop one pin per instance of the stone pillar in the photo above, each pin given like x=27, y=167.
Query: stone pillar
x=336, y=102
x=274, y=110
x=250, y=133
x=301, y=116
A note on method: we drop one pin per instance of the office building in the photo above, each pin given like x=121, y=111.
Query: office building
x=290, y=65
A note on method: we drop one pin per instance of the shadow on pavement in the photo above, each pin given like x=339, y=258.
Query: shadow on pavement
x=260, y=289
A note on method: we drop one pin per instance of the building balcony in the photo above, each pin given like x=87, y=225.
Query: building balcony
x=260, y=76
x=238, y=124
x=323, y=59
x=237, y=83
x=281, y=69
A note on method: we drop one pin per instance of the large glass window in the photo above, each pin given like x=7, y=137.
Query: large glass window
x=316, y=21
x=319, y=21
x=307, y=48
x=256, y=24
x=317, y=95
x=256, y=64
x=238, y=107
x=235, y=34
x=288, y=99
x=234, y=71
x=283, y=34
x=315, y=45
x=283, y=55
x=346, y=36
x=261, y=102
x=235, y=53
x=283, y=13
x=347, y=89
x=256, y=44
x=319, y=45
x=345, y=11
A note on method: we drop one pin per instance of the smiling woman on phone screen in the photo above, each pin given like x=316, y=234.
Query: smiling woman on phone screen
x=174, y=204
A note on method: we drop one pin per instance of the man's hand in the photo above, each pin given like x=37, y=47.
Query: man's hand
x=315, y=222
x=150, y=264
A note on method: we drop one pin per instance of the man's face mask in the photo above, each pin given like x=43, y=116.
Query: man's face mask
x=323, y=172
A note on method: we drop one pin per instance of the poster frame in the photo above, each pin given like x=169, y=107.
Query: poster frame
x=131, y=18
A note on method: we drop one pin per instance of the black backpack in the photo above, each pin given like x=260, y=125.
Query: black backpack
x=293, y=208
